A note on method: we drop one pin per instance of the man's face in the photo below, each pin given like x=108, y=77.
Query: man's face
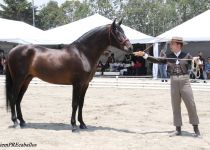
x=175, y=47
x=209, y=60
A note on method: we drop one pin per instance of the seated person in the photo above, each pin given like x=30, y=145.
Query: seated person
x=2, y=64
x=127, y=59
x=207, y=68
x=111, y=59
x=103, y=66
x=137, y=66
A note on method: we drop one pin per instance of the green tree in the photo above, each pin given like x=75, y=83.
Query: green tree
x=51, y=15
x=102, y=7
x=17, y=10
x=154, y=17
x=138, y=15
x=187, y=9
x=75, y=10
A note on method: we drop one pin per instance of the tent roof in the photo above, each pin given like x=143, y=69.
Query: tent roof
x=19, y=32
x=23, y=33
x=70, y=32
x=195, y=29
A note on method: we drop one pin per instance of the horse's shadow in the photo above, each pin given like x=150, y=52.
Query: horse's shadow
x=48, y=126
x=62, y=126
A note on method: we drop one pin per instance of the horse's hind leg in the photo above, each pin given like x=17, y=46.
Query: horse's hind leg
x=15, y=92
x=20, y=96
x=13, y=115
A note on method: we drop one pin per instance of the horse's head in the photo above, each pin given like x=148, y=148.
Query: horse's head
x=118, y=39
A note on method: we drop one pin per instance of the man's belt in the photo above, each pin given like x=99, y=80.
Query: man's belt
x=179, y=74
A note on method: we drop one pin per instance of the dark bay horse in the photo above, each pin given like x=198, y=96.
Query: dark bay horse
x=73, y=65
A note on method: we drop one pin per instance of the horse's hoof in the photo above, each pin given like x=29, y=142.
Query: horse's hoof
x=83, y=126
x=15, y=125
x=74, y=128
x=22, y=124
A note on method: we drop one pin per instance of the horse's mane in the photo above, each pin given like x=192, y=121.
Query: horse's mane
x=91, y=33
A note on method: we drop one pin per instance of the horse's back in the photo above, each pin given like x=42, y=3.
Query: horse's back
x=55, y=66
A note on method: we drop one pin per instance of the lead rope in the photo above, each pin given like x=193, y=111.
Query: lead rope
x=151, y=45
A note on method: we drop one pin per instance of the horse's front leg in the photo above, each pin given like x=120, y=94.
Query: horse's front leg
x=81, y=103
x=75, y=103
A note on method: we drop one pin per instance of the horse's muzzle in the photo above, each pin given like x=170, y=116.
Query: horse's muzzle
x=130, y=49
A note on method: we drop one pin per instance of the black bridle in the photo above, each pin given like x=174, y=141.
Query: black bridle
x=122, y=43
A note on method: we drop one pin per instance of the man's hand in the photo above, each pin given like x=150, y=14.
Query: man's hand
x=195, y=58
x=139, y=53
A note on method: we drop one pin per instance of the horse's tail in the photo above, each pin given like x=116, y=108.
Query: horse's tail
x=9, y=86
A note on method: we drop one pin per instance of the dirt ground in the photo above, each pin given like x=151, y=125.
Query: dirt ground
x=117, y=119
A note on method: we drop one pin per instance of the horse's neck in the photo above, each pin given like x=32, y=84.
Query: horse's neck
x=93, y=46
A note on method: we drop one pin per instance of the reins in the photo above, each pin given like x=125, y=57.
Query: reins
x=152, y=44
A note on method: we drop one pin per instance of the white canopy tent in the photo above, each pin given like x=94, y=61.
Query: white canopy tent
x=70, y=32
x=194, y=30
x=23, y=33
x=20, y=32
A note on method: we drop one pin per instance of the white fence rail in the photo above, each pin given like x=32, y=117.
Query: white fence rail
x=135, y=83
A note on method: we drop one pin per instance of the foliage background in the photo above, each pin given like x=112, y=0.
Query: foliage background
x=151, y=17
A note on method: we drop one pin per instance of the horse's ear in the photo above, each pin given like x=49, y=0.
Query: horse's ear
x=114, y=24
x=119, y=23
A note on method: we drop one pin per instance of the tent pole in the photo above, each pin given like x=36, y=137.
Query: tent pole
x=33, y=13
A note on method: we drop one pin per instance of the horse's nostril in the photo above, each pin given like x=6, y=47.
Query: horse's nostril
x=130, y=48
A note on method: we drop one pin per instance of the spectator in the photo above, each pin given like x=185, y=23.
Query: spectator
x=137, y=66
x=207, y=68
x=111, y=59
x=127, y=59
x=103, y=66
x=3, y=62
x=202, y=67
x=163, y=67
x=128, y=67
x=1, y=66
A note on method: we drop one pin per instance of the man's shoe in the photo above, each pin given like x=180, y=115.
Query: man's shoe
x=196, y=130
x=178, y=132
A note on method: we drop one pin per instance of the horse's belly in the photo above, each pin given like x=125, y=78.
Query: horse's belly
x=55, y=77
x=56, y=80
x=63, y=77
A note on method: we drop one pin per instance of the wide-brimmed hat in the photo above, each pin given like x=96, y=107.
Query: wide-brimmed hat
x=178, y=40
